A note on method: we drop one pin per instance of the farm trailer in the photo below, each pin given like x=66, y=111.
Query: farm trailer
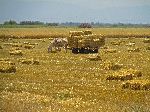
x=85, y=41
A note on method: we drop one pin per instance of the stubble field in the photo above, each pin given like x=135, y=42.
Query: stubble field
x=61, y=82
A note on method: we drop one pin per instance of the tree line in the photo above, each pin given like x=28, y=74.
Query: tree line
x=76, y=24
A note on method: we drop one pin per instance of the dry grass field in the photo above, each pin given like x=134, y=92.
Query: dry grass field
x=66, y=82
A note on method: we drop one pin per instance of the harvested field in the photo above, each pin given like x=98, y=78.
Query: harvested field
x=72, y=82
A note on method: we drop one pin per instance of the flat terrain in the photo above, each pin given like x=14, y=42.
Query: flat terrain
x=64, y=82
x=63, y=32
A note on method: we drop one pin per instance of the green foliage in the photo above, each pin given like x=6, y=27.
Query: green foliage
x=10, y=22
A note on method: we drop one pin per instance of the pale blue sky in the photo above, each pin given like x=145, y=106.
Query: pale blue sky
x=105, y=11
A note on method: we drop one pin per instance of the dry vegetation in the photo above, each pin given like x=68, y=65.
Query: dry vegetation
x=60, y=82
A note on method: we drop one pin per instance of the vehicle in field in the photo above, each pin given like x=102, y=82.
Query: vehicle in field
x=85, y=41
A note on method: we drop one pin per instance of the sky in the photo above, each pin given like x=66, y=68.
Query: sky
x=103, y=11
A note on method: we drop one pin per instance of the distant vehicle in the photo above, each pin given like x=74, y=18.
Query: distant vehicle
x=85, y=41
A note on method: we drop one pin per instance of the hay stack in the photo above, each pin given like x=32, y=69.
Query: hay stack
x=16, y=52
x=112, y=66
x=93, y=57
x=110, y=51
x=29, y=61
x=6, y=67
x=1, y=47
x=124, y=74
x=148, y=48
x=136, y=85
x=134, y=50
x=16, y=45
x=117, y=43
x=28, y=46
x=130, y=44
x=146, y=41
x=121, y=77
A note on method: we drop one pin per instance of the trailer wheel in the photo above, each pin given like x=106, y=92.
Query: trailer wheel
x=81, y=50
x=86, y=51
x=75, y=50
x=95, y=51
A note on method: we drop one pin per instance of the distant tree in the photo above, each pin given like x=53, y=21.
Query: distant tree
x=52, y=24
x=85, y=25
x=10, y=22
x=31, y=23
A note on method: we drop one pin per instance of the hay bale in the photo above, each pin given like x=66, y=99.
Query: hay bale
x=130, y=44
x=110, y=51
x=1, y=47
x=105, y=47
x=134, y=50
x=7, y=67
x=13, y=44
x=136, y=85
x=93, y=57
x=121, y=77
x=29, y=61
x=112, y=66
x=148, y=48
x=36, y=62
x=26, y=42
x=28, y=46
x=116, y=43
x=146, y=40
x=16, y=52
x=16, y=45
x=124, y=74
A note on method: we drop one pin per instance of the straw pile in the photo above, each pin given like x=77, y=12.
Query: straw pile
x=93, y=57
x=136, y=85
x=7, y=67
x=28, y=46
x=134, y=50
x=29, y=61
x=124, y=74
x=1, y=47
x=110, y=51
x=112, y=66
x=16, y=52
x=146, y=41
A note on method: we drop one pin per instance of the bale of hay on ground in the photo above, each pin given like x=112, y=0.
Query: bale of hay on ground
x=134, y=50
x=117, y=43
x=16, y=52
x=121, y=77
x=136, y=85
x=7, y=67
x=130, y=44
x=93, y=57
x=28, y=46
x=110, y=51
x=36, y=62
x=29, y=61
x=1, y=47
x=148, y=48
x=16, y=45
x=124, y=74
x=112, y=66
x=146, y=40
